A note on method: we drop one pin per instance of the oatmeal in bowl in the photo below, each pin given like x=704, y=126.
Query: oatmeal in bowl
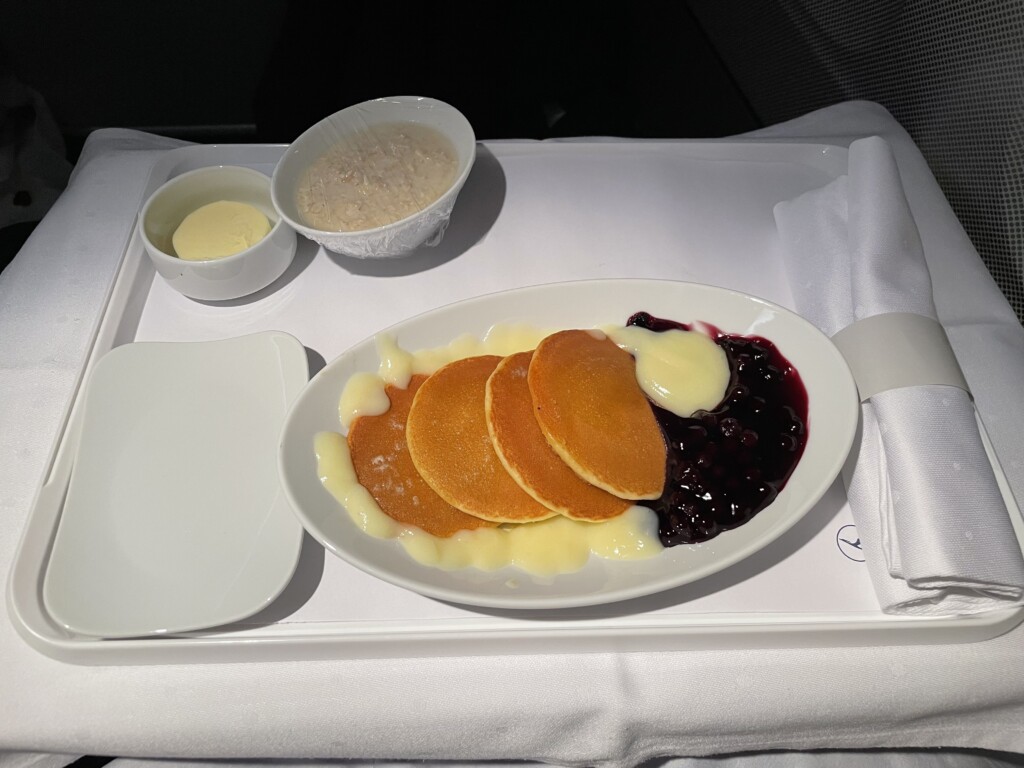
x=378, y=179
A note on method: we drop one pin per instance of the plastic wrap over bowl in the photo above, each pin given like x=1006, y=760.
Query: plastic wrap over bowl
x=424, y=227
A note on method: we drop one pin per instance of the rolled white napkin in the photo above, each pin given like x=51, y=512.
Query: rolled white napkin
x=935, y=530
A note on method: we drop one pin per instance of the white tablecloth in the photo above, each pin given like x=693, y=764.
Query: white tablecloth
x=609, y=709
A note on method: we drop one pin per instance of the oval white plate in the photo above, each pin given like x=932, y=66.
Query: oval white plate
x=174, y=518
x=832, y=418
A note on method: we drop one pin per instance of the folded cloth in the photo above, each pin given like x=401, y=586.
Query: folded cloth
x=933, y=524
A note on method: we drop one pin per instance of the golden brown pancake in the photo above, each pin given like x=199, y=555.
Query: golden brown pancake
x=383, y=466
x=525, y=453
x=452, y=450
x=594, y=414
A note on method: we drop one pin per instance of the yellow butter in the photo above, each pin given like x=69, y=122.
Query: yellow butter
x=219, y=229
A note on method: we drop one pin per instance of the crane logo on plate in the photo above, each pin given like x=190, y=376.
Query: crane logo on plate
x=849, y=544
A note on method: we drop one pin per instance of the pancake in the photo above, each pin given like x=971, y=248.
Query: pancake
x=525, y=453
x=383, y=466
x=452, y=450
x=594, y=415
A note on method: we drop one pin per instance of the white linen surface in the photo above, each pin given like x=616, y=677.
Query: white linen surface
x=591, y=709
x=34, y=760
x=932, y=521
x=843, y=759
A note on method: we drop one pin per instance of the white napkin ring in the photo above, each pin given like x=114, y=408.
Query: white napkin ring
x=898, y=349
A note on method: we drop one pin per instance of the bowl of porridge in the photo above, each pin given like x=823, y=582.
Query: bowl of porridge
x=378, y=179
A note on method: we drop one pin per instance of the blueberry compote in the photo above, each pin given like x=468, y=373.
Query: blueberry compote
x=727, y=464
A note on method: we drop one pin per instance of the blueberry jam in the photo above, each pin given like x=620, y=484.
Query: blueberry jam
x=727, y=464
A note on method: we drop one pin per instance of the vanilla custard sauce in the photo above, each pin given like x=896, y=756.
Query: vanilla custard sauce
x=682, y=371
x=552, y=546
x=667, y=371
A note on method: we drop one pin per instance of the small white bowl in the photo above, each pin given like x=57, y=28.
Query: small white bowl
x=398, y=238
x=230, y=277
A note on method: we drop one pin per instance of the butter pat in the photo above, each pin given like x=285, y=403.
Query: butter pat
x=219, y=229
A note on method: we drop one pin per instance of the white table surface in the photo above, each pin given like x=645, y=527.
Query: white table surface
x=614, y=709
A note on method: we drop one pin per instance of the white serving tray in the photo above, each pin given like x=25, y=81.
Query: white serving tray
x=531, y=213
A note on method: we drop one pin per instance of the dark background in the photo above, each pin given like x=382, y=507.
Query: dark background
x=950, y=71
x=264, y=71
x=236, y=71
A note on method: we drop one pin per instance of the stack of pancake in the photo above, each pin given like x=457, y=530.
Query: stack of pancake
x=562, y=430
